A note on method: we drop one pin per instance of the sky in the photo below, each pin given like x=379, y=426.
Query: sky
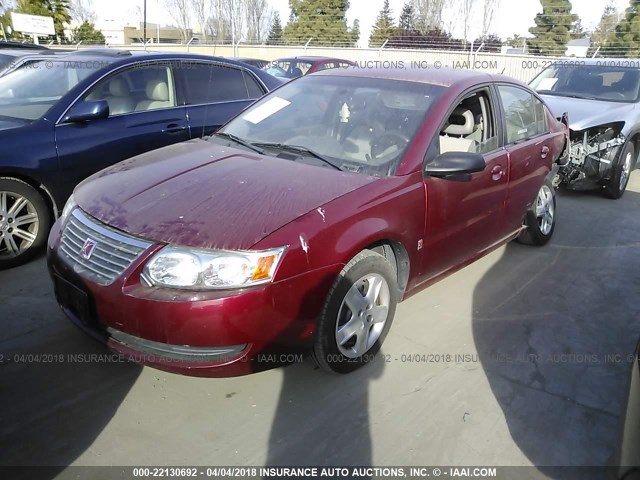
x=513, y=16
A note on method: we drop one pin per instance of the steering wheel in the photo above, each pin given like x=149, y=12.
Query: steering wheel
x=382, y=148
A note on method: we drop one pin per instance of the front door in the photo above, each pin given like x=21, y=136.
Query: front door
x=143, y=116
x=466, y=217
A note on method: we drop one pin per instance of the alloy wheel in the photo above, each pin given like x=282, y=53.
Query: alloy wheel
x=545, y=210
x=626, y=171
x=19, y=224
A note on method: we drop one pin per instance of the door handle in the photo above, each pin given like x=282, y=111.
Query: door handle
x=174, y=128
x=497, y=173
x=544, y=152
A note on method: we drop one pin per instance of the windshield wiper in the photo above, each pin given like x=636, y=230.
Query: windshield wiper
x=568, y=95
x=300, y=149
x=240, y=141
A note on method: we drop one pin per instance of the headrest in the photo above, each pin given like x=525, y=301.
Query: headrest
x=460, y=122
x=157, y=90
x=118, y=87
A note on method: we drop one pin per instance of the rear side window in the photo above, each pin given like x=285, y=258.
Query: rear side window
x=212, y=83
x=254, y=90
x=524, y=114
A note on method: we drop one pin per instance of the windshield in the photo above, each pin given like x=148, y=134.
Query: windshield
x=594, y=82
x=356, y=124
x=29, y=92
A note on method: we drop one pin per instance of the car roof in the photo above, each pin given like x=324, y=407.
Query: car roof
x=23, y=53
x=310, y=58
x=8, y=44
x=445, y=77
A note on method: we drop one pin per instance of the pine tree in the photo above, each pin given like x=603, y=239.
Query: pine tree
x=324, y=21
x=605, y=29
x=625, y=42
x=275, y=32
x=553, y=26
x=355, y=33
x=407, y=17
x=384, y=28
x=87, y=34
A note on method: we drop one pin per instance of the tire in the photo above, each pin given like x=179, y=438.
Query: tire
x=347, y=312
x=540, y=219
x=23, y=232
x=621, y=173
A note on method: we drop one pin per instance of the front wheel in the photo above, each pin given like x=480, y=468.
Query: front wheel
x=24, y=222
x=357, y=314
x=540, y=221
x=621, y=173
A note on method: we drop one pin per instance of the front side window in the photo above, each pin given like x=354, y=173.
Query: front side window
x=29, y=92
x=471, y=127
x=360, y=125
x=524, y=114
x=139, y=89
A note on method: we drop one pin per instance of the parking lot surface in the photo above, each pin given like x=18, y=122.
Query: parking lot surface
x=518, y=359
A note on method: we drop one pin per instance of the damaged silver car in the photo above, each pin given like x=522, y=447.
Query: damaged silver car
x=602, y=98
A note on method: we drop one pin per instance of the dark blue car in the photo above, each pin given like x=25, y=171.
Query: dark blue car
x=68, y=117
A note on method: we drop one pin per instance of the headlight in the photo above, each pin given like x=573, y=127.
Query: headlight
x=184, y=268
x=68, y=208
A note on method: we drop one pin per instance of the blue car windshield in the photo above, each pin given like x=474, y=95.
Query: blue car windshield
x=31, y=90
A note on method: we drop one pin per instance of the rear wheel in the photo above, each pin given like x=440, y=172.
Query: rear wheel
x=621, y=173
x=357, y=314
x=541, y=217
x=24, y=222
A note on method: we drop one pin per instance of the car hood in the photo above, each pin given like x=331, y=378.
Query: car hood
x=203, y=195
x=8, y=124
x=585, y=113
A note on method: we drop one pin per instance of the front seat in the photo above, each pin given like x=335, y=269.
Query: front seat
x=157, y=92
x=461, y=123
x=119, y=99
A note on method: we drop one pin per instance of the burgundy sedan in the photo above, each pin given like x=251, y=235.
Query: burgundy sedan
x=305, y=220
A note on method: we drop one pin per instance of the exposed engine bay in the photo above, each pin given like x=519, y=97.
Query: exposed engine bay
x=592, y=156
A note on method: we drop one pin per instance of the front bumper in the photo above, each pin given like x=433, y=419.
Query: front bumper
x=211, y=334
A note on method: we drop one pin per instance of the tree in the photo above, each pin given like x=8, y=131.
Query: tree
x=275, y=32
x=465, y=10
x=488, y=10
x=428, y=14
x=82, y=11
x=202, y=11
x=516, y=41
x=59, y=10
x=383, y=28
x=492, y=43
x=436, y=39
x=88, y=34
x=257, y=20
x=605, y=28
x=322, y=20
x=552, y=31
x=407, y=18
x=578, y=31
x=625, y=41
x=179, y=12
x=354, y=33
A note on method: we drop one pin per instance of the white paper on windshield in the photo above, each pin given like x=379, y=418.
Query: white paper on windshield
x=547, y=84
x=265, y=110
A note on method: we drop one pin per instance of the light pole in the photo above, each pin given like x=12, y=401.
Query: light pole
x=144, y=21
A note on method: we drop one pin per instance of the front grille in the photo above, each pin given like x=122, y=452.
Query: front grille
x=95, y=251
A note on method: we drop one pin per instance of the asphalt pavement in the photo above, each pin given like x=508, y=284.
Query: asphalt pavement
x=519, y=359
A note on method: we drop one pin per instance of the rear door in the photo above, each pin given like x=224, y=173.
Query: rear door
x=144, y=115
x=214, y=93
x=530, y=147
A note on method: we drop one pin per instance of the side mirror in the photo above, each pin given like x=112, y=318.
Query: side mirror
x=456, y=166
x=87, y=111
